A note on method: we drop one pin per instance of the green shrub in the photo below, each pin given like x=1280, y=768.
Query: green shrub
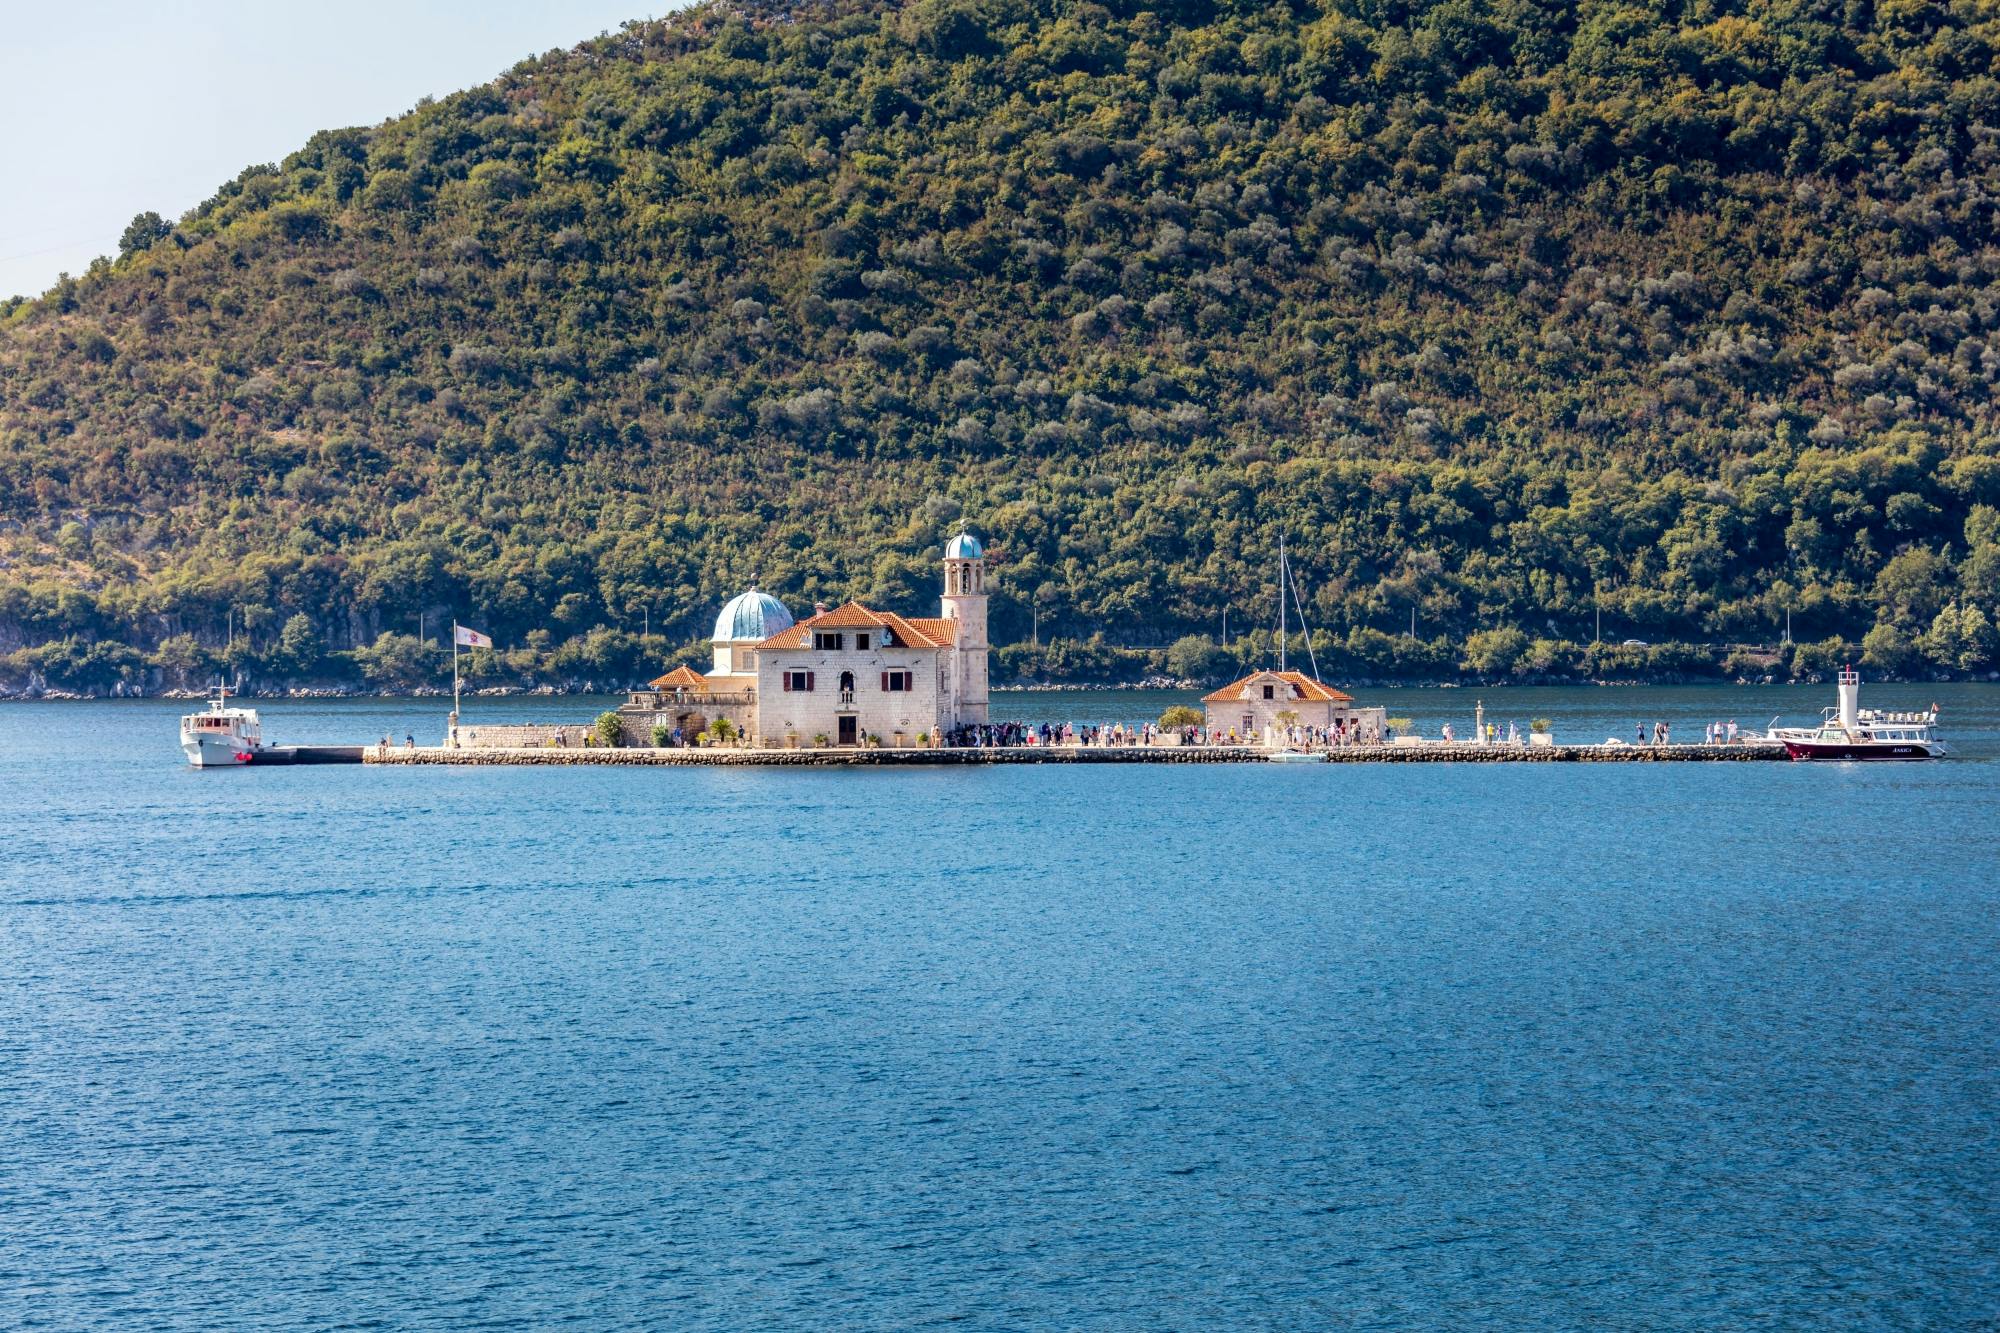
x=609, y=728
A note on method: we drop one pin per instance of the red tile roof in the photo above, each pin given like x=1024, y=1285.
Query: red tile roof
x=939, y=631
x=1304, y=687
x=919, y=633
x=681, y=677
x=851, y=616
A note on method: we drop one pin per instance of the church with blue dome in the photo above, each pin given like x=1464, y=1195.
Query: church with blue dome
x=845, y=675
x=746, y=620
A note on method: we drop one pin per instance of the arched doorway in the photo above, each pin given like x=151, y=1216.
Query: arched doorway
x=848, y=726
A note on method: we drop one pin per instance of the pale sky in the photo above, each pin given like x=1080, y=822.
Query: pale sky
x=112, y=107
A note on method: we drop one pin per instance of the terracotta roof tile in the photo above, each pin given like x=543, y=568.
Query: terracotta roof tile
x=796, y=636
x=913, y=633
x=681, y=677
x=1306, y=687
x=851, y=616
x=940, y=630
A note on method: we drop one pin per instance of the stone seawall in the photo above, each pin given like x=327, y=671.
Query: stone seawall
x=1556, y=754
x=1077, y=754
x=828, y=758
x=519, y=736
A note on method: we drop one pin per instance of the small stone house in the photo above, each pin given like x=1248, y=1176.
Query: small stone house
x=684, y=700
x=1250, y=707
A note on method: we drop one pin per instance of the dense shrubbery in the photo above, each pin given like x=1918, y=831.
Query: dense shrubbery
x=1509, y=314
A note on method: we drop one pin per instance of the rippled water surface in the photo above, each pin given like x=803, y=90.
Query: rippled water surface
x=1460, y=1046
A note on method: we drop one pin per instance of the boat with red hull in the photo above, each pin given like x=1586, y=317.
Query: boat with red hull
x=1848, y=733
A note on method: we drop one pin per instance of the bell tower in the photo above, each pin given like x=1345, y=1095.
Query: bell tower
x=965, y=602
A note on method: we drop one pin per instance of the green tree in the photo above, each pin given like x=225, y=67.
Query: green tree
x=1493, y=652
x=1887, y=649
x=1959, y=639
x=397, y=662
x=1910, y=588
x=1197, y=657
x=184, y=661
x=142, y=233
x=299, y=653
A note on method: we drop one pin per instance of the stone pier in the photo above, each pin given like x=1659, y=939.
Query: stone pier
x=1071, y=754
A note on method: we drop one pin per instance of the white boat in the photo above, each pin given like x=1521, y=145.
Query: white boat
x=1294, y=757
x=1850, y=732
x=222, y=736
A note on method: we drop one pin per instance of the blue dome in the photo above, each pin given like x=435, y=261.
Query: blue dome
x=964, y=546
x=750, y=615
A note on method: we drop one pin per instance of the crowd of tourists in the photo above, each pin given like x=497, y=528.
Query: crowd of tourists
x=985, y=734
x=1488, y=733
x=1296, y=737
x=1662, y=733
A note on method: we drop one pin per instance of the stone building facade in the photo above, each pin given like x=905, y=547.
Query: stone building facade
x=1251, y=706
x=852, y=674
x=849, y=674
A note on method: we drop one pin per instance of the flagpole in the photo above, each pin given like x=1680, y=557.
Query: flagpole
x=454, y=682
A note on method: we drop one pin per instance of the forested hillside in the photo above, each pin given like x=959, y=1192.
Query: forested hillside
x=1506, y=313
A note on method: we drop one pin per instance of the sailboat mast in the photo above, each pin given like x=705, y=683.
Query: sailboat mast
x=1281, y=601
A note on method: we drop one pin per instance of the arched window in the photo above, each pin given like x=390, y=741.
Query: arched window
x=847, y=681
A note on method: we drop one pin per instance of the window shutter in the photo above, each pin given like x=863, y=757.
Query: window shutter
x=788, y=682
x=885, y=682
x=809, y=682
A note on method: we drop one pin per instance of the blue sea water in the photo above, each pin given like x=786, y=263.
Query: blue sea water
x=1465, y=1046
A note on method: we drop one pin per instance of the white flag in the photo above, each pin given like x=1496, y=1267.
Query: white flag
x=471, y=638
